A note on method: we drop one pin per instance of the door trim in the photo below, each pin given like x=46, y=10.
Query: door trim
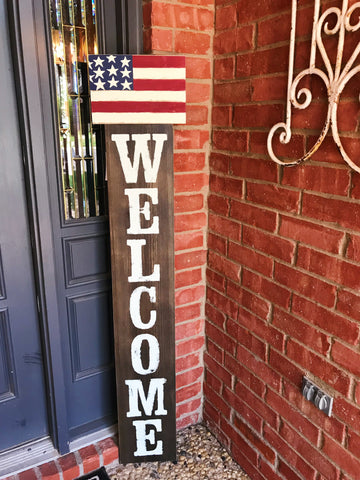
x=29, y=33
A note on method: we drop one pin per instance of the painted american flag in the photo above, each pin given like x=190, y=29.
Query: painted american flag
x=143, y=89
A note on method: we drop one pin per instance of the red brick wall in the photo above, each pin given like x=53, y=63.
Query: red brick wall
x=283, y=259
x=186, y=27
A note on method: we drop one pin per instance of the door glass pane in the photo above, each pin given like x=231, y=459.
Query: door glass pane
x=73, y=33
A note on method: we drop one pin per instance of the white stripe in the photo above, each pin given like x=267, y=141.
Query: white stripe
x=136, y=96
x=139, y=118
x=159, y=73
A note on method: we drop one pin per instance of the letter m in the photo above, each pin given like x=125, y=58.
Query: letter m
x=136, y=392
x=142, y=151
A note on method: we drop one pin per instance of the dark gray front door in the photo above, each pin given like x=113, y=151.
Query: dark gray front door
x=23, y=411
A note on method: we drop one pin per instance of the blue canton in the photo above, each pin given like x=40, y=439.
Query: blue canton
x=111, y=72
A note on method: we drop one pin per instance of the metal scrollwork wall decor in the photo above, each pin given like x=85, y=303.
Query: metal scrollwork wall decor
x=335, y=77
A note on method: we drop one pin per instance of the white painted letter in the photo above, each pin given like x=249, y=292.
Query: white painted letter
x=136, y=392
x=142, y=436
x=141, y=150
x=136, y=263
x=135, y=314
x=154, y=354
x=135, y=210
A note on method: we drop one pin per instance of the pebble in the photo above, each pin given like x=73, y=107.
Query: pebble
x=199, y=457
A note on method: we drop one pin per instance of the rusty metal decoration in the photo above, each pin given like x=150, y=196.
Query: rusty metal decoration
x=335, y=77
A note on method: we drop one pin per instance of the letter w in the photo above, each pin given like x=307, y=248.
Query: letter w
x=151, y=168
x=136, y=391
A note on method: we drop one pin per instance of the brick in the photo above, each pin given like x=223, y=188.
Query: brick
x=224, y=68
x=27, y=475
x=341, y=457
x=231, y=187
x=224, y=266
x=220, y=338
x=109, y=450
x=161, y=39
x=187, y=241
x=198, y=67
x=249, y=258
x=260, y=8
x=270, y=244
x=346, y=357
x=302, y=331
x=248, y=300
x=353, y=443
x=243, y=409
x=199, y=19
x=246, y=338
x=221, y=225
x=190, y=363
x=190, y=182
x=219, y=205
x=318, y=366
x=188, y=407
x=189, y=161
x=215, y=316
x=255, y=405
x=239, y=442
x=188, y=203
x=190, y=259
x=340, y=212
x=184, y=279
x=348, y=304
x=189, y=295
x=268, y=89
x=285, y=367
x=274, y=30
x=226, y=17
x=273, y=196
x=313, y=234
x=310, y=453
x=69, y=466
x=348, y=413
x=191, y=221
x=257, y=116
x=254, y=168
x=243, y=376
x=252, y=215
x=213, y=382
x=290, y=455
x=216, y=280
x=232, y=92
x=190, y=139
x=217, y=401
x=90, y=458
x=189, y=329
x=187, y=312
x=185, y=393
x=219, y=163
x=353, y=248
x=305, y=284
x=334, y=181
x=255, y=440
x=260, y=369
x=197, y=114
x=214, y=351
x=190, y=42
x=274, y=60
x=221, y=116
x=162, y=17
x=234, y=141
x=344, y=273
x=49, y=471
x=295, y=149
x=222, y=303
x=189, y=345
x=261, y=328
x=267, y=288
x=216, y=243
x=187, y=421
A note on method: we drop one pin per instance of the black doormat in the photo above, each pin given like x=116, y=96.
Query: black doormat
x=99, y=474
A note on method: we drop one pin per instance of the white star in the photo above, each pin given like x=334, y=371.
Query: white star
x=99, y=73
x=98, y=62
x=111, y=58
x=126, y=85
x=126, y=73
x=113, y=83
x=100, y=85
x=125, y=62
x=112, y=70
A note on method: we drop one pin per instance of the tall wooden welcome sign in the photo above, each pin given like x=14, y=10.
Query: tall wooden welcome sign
x=135, y=90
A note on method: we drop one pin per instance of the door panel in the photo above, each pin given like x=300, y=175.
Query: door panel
x=23, y=414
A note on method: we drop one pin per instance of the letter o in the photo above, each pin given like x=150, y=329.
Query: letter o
x=154, y=354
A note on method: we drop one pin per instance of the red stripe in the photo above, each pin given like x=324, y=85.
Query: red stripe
x=158, y=61
x=172, y=85
x=139, y=107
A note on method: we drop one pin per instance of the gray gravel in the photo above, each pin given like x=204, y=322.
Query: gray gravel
x=199, y=457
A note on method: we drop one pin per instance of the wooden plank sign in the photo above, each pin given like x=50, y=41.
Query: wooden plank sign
x=140, y=185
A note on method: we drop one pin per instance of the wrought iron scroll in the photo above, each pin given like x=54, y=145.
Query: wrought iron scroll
x=335, y=77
